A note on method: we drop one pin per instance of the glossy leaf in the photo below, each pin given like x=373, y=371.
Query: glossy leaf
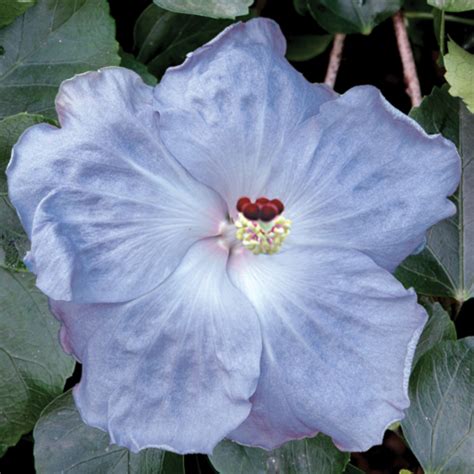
x=425, y=273
x=13, y=241
x=439, y=423
x=351, y=469
x=63, y=443
x=10, y=9
x=453, y=5
x=459, y=73
x=439, y=113
x=130, y=62
x=210, y=8
x=304, y=47
x=438, y=328
x=33, y=367
x=42, y=48
x=343, y=16
x=301, y=6
x=163, y=38
x=446, y=266
x=306, y=456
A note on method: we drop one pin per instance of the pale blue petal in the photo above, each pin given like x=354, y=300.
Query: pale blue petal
x=229, y=111
x=374, y=180
x=339, y=334
x=173, y=369
x=358, y=174
x=126, y=212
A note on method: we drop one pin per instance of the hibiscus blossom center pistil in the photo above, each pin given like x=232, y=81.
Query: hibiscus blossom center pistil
x=261, y=226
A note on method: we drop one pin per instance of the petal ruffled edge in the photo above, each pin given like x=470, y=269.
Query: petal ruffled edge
x=343, y=315
x=342, y=202
x=205, y=382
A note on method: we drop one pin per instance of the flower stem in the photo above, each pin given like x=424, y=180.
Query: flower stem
x=442, y=34
x=334, y=59
x=429, y=16
x=408, y=63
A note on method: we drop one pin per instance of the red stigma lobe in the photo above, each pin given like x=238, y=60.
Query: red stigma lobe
x=251, y=211
x=242, y=202
x=268, y=212
x=262, y=209
x=278, y=204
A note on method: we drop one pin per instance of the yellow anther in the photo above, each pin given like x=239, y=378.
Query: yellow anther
x=262, y=237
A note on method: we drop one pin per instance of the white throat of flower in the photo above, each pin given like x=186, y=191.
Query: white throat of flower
x=262, y=237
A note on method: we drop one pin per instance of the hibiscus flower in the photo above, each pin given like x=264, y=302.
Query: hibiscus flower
x=219, y=249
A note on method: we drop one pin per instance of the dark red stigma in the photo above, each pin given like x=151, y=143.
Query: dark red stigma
x=251, y=211
x=263, y=209
x=268, y=212
x=242, y=202
x=278, y=204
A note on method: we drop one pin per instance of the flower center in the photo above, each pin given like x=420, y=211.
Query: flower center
x=261, y=226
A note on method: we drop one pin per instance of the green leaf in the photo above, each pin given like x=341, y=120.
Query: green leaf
x=12, y=8
x=306, y=456
x=453, y=5
x=63, y=443
x=129, y=61
x=460, y=73
x=438, y=328
x=210, y=8
x=51, y=42
x=439, y=113
x=163, y=38
x=446, y=265
x=439, y=423
x=301, y=6
x=304, y=47
x=33, y=367
x=13, y=241
x=351, y=469
x=425, y=273
x=344, y=16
